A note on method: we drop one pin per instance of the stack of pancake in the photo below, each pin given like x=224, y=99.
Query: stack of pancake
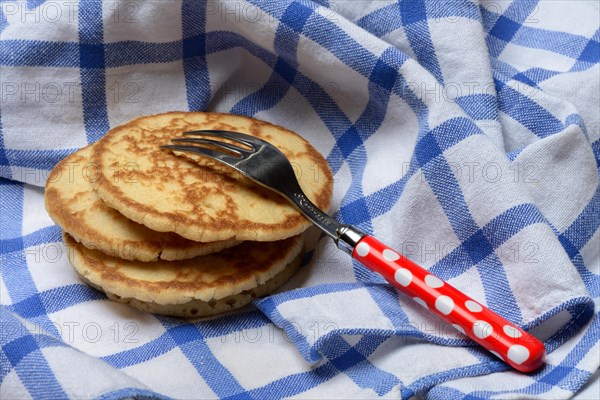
x=178, y=234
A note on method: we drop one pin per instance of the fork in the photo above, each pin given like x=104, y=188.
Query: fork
x=249, y=155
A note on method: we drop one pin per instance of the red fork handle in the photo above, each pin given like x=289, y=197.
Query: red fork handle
x=505, y=340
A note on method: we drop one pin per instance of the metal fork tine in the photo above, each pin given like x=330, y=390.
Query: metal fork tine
x=203, y=151
x=248, y=140
x=238, y=151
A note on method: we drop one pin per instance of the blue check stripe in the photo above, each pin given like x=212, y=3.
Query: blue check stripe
x=125, y=53
x=5, y=170
x=511, y=102
x=27, y=160
x=190, y=341
x=382, y=21
x=92, y=64
x=344, y=361
x=414, y=18
x=54, y=300
x=23, y=355
x=579, y=235
x=505, y=26
x=194, y=63
x=3, y=21
x=353, y=360
x=19, y=53
x=285, y=68
x=46, y=235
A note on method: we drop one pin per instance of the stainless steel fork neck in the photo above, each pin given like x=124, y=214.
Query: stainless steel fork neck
x=346, y=237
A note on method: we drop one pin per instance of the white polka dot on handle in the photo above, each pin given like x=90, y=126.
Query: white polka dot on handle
x=362, y=249
x=403, y=276
x=482, y=329
x=472, y=306
x=518, y=354
x=433, y=281
x=444, y=304
x=420, y=301
x=390, y=255
x=459, y=328
x=511, y=331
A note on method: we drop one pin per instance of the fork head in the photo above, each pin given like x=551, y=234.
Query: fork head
x=255, y=158
x=263, y=163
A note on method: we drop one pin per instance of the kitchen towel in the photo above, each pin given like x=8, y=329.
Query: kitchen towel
x=464, y=134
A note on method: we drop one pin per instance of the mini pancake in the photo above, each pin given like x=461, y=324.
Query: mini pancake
x=202, y=286
x=200, y=200
x=74, y=205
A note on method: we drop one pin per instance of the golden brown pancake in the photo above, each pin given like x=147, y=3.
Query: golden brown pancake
x=74, y=205
x=202, y=286
x=168, y=193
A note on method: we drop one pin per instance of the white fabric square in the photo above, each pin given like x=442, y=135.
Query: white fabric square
x=291, y=113
x=333, y=76
x=171, y=374
x=469, y=73
x=424, y=85
x=515, y=135
x=483, y=177
x=237, y=353
x=392, y=146
x=375, y=45
x=398, y=39
x=74, y=376
x=242, y=18
x=35, y=216
x=238, y=74
x=524, y=58
x=591, y=254
x=35, y=177
x=581, y=17
x=547, y=174
x=55, y=21
x=235, y=74
x=43, y=97
x=49, y=266
x=331, y=311
x=340, y=387
x=12, y=387
x=579, y=87
x=333, y=266
x=416, y=364
x=353, y=10
x=423, y=237
x=499, y=382
x=132, y=88
x=100, y=328
x=4, y=296
x=144, y=21
x=534, y=252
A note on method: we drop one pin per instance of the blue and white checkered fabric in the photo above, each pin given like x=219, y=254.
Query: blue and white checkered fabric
x=465, y=134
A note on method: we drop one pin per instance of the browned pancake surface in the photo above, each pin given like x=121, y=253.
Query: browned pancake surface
x=204, y=278
x=74, y=205
x=169, y=193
